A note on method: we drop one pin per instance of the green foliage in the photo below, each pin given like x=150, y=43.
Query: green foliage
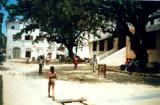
x=61, y=21
x=128, y=11
x=64, y=21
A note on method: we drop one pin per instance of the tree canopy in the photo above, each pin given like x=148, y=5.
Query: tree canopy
x=59, y=21
x=63, y=21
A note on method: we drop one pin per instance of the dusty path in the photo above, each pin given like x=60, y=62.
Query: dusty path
x=19, y=89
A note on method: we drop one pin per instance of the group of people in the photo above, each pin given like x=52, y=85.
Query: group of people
x=52, y=75
x=93, y=62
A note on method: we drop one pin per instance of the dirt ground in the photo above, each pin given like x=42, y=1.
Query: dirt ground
x=21, y=84
x=84, y=74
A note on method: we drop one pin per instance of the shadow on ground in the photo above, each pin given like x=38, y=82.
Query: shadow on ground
x=1, y=90
x=2, y=68
x=85, y=74
x=134, y=78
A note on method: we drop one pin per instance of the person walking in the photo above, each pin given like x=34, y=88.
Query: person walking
x=41, y=62
x=47, y=60
x=51, y=76
x=94, y=62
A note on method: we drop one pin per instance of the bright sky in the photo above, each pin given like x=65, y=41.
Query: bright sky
x=5, y=16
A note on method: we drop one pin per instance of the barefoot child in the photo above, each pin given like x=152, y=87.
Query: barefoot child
x=51, y=82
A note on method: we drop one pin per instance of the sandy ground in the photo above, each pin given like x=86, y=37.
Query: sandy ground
x=19, y=89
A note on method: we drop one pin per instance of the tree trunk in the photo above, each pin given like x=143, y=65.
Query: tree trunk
x=70, y=50
x=138, y=45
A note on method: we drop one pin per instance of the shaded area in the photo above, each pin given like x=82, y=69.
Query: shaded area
x=1, y=90
x=85, y=74
x=134, y=78
x=82, y=74
x=2, y=68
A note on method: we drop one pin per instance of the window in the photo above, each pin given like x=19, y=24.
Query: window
x=101, y=45
x=94, y=46
x=16, y=37
x=28, y=54
x=152, y=22
x=110, y=43
x=28, y=37
x=151, y=44
x=12, y=27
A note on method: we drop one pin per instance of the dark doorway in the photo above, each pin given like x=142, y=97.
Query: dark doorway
x=101, y=45
x=95, y=46
x=122, y=42
x=150, y=40
x=110, y=44
x=28, y=54
x=16, y=52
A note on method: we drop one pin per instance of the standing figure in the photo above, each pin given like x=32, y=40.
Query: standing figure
x=41, y=62
x=51, y=76
x=1, y=57
x=75, y=61
x=47, y=60
x=94, y=62
x=4, y=57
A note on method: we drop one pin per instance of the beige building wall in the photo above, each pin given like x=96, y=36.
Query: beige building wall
x=105, y=45
x=116, y=43
x=129, y=52
x=153, y=54
x=97, y=52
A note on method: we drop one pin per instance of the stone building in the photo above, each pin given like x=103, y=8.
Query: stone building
x=115, y=51
x=108, y=49
x=24, y=47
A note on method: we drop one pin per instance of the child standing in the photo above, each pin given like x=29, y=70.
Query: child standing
x=75, y=61
x=51, y=76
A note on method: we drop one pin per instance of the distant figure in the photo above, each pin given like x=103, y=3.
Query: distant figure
x=94, y=63
x=43, y=58
x=47, y=60
x=27, y=59
x=4, y=57
x=51, y=76
x=41, y=62
x=125, y=66
x=1, y=58
x=75, y=61
x=128, y=61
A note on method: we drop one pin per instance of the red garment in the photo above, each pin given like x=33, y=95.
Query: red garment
x=75, y=61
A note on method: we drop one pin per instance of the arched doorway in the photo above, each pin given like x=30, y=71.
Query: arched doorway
x=16, y=52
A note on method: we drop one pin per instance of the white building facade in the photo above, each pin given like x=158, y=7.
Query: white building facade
x=24, y=47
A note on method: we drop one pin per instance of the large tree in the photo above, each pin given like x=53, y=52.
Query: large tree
x=136, y=13
x=60, y=21
x=64, y=21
